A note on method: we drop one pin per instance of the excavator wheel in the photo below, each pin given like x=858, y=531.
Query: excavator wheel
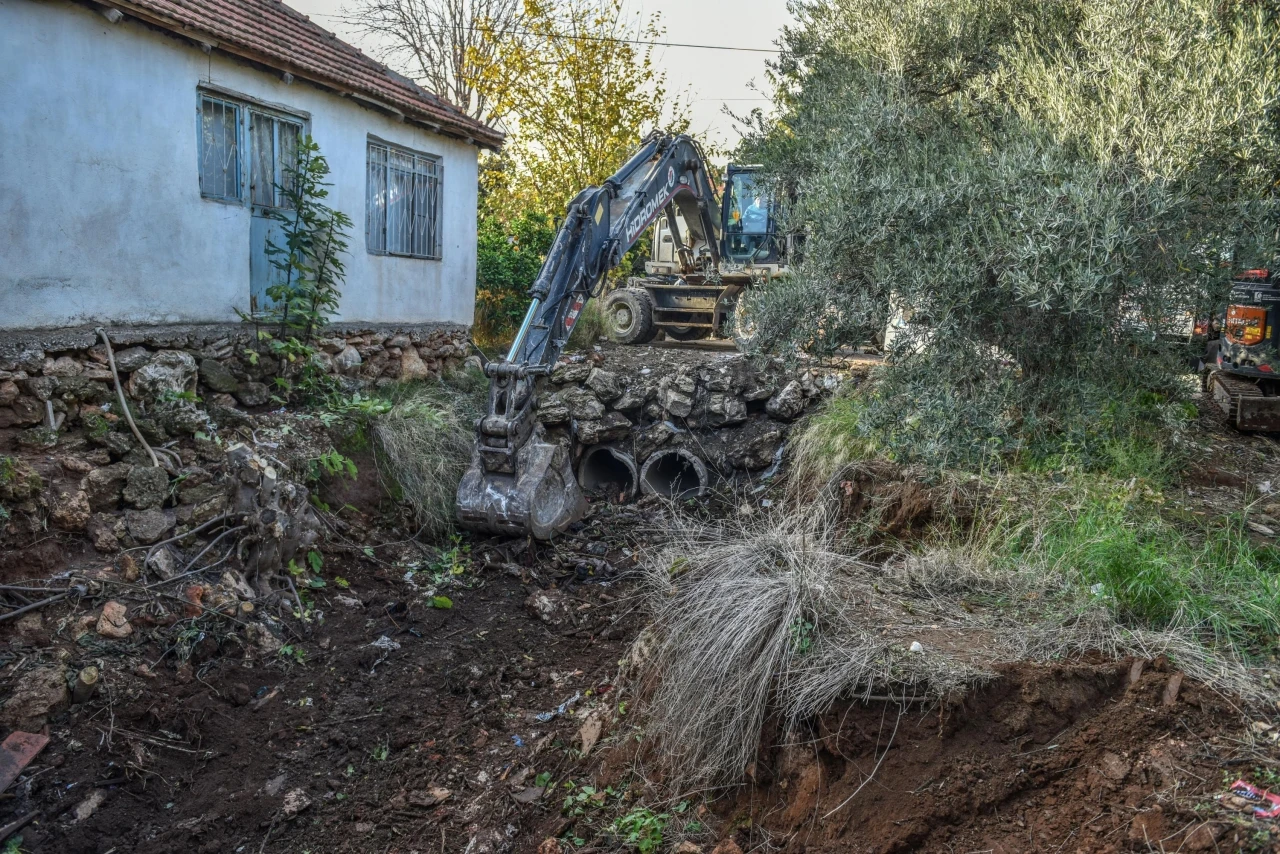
x=686, y=333
x=628, y=314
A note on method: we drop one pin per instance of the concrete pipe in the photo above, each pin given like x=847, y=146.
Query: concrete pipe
x=607, y=469
x=674, y=473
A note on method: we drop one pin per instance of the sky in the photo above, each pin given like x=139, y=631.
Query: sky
x=711, y=79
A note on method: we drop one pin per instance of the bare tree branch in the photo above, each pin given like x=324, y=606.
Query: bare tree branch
x=442, y=44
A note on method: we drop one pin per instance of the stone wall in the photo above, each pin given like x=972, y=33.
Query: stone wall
x=733, y=415
x=68, y=369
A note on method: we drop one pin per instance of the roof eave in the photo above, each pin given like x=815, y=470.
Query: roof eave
x=492, y=140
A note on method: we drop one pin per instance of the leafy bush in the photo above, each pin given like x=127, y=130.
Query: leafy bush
x=1049, y=191
x=509, y=255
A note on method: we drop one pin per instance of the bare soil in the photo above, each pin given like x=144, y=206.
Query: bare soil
x=203, y=739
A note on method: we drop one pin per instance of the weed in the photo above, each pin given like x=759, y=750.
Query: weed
x=381, y=752
x=424, y=445
x=442, y=602
x=332, y=464
x=8, y=470
x=294, y=653
x=641, y=828
x=13, y=846
x=585, y=799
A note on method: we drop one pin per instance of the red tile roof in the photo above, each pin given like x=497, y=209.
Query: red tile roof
x=270, y=33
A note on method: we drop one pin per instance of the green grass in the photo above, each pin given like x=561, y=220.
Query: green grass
x=1159, y=574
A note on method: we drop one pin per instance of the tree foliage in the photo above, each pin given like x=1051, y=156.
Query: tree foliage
x=448, y=46
x=578, y=97
x=509, y=256
x=1049, y=189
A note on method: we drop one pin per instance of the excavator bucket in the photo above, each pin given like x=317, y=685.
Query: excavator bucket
x=541, y=497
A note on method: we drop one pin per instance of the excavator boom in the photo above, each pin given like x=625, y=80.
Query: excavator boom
x=521, y=479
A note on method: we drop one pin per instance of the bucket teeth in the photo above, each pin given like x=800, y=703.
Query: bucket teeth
x=541, y=497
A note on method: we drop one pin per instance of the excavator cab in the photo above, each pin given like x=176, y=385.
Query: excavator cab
x=747, y=219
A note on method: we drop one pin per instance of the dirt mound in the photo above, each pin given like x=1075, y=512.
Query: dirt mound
x=1059, y=758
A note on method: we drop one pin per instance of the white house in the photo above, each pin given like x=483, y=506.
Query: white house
x=140, y=145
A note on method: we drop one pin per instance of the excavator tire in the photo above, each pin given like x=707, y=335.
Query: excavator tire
x=628, y=314
x=686, y=333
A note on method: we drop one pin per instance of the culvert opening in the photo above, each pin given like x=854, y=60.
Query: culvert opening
x=608, y=472
x=674, y=474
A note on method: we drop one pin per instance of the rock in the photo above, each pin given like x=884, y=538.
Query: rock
x=607, y=385
x=1114, y=767
x=71, y=511
x=227, y=416
x=218, y=376
x=412, y=367
x=686, y=847
x=653, y=437
x=82, y=389
x=723, y=409
x=105, y=532
x=549, y=606
x=40, y=692
x=183, y=418
x=8, y=392
x=348, y=359
x=788, y=403
x=757, y=453
x=112, y=623
x=41, y=388
x=430, y=797
x=612, y=427
x=253, y=394
x=40, y=438
x=295, y=801
x=170, y=372
x=582, y=404
x=634, y=397
x=148, y=526
x=105, y=485
x=727, y=846
x=64, y=366
x=29, y=360
x=673, y=400
x=130, y=360
x=398, y=340
x=550, y=846
x=25, y=410
x=89, y=805
x=570, y=372
x=146, y=487
x=163, y=564
x=117, y=444
x=552, y=409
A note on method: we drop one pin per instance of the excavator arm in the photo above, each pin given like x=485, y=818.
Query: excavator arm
x=520, y=481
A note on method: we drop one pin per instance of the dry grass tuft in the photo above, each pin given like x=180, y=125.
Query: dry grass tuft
x=424, y=445
x=773, y=617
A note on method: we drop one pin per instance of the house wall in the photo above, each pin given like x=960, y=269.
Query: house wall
x=101, y=217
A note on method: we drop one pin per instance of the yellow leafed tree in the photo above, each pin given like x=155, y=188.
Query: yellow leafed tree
x=577, y=94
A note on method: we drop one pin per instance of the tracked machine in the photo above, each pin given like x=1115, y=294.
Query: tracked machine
x=1244, y=366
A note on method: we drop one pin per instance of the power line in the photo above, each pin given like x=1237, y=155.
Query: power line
x=613, y=40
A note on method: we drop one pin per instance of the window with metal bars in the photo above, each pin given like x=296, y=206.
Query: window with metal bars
x=274, y=148
x=219, y=149
x=402, y=202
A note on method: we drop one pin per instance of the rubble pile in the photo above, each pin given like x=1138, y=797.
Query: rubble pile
x=722, y=411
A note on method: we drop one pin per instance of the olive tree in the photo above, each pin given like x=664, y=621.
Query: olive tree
x=1047, y=190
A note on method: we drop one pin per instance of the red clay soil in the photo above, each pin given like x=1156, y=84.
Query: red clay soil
x=1060, y=758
